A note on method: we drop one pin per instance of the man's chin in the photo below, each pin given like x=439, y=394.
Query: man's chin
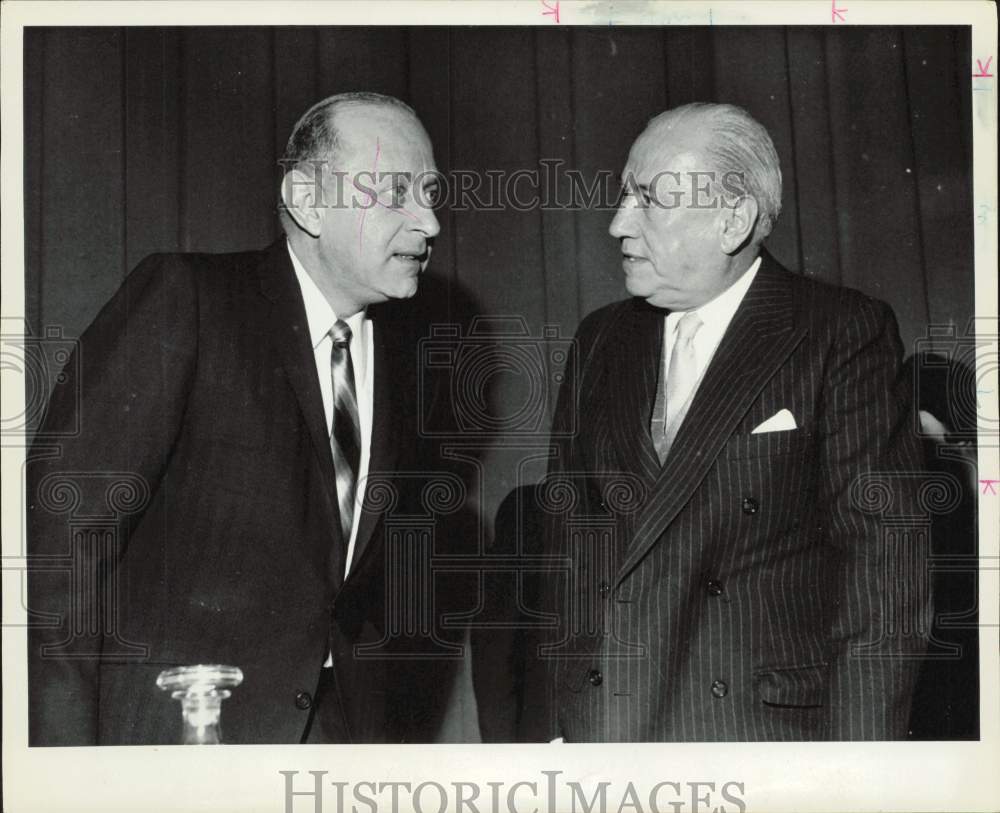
x=635, y=288
x=658, y=299
x=405, y=290
x=665, y=303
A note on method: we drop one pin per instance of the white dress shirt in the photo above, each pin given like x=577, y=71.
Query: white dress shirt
x=321, y=318
x=715, y=316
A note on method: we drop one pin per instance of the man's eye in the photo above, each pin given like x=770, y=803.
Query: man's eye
x=642, y=197
x=432, y=196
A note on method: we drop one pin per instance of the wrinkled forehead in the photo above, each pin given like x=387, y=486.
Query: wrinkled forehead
x=667, y=146
x=382, y=138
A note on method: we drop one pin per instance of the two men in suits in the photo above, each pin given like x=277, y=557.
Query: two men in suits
x=233, y=411
x=751, y=584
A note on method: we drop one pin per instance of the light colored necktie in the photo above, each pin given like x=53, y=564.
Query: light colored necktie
x=677, y=385
x=345, y=440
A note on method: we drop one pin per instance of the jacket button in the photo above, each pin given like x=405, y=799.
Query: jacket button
x=604, y=589
x=303, y=700
x=749, y=505
x=719, y=688
x=595, y=677
x=713, y=587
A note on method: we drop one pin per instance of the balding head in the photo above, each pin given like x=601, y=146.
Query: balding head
x=316, y=137
x=727, y=140
x=360, y=167
x=702, y=190
x=318, y=140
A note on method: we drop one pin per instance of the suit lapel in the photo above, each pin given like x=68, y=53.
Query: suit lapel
x=634, y=364
x=288, y=329
x=385, y=433
x=759, y=339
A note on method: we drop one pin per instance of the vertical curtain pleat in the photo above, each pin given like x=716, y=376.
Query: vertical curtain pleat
x=34, y=166
x=880, y=231
x=228, y=194
x=152, y=154
x=939, y=132
x=82, y=183
x=498, y=256
x=689, y=65
x=554, y=112
x=814, y=191
x=375, y=59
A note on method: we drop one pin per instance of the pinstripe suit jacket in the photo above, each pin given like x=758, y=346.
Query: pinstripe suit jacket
x=757, y=586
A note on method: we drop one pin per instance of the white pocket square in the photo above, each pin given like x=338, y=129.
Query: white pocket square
x=779, y=422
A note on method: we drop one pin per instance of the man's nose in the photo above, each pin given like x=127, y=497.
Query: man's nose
x=621, y=223
x=427, y=221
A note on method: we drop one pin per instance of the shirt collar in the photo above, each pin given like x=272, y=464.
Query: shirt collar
x=719, y=312
x=320, y=316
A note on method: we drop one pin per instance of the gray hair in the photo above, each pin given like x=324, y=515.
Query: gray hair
x=314, y=136
x=741, y=146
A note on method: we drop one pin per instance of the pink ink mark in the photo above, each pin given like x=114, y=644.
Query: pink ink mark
x=836, y=12
x=983, y=69
x=371, y=198
x=989, y=486
x=552, y=11
x=397, y=209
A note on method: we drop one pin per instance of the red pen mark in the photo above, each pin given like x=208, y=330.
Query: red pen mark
x=836, y=12
x=371, y=198
x=983, y=69
x=398, y=209
x=552, y=11
x=989, y=486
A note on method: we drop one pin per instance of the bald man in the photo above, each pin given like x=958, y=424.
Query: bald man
x=244, y=401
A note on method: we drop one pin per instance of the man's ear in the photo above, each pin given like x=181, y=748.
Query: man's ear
x=738, y=222
x=302, y=194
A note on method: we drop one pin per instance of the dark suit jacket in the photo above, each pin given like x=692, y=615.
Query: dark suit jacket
x=500, y=646
x=757, y=586
x=196, y=511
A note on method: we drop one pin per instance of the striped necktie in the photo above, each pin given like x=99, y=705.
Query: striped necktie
x=345, y=440
x=677, y=387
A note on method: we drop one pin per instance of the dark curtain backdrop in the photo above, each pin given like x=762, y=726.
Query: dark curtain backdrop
x=141, y=140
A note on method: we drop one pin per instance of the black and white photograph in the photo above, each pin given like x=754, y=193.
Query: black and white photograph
x=599, y=394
